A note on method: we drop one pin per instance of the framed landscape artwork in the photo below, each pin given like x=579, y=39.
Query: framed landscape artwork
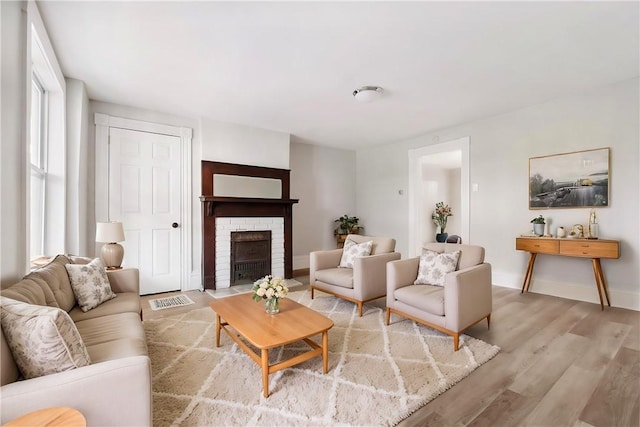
x=570, y=180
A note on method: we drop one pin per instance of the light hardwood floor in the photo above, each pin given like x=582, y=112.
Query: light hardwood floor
x=562, y=363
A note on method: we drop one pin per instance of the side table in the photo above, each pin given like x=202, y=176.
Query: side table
x=50, y=417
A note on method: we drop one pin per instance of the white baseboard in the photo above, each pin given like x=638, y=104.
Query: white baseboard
x=575, y=291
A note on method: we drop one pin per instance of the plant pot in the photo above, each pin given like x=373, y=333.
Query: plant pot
x=538, y=229
x=441, y=237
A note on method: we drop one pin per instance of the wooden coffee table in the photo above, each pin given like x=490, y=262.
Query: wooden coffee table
x=295, y=322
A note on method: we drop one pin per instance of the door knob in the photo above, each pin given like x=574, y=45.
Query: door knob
x=175, y=225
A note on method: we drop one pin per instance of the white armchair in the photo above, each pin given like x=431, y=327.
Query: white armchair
x=464, y=300
x=366, y=281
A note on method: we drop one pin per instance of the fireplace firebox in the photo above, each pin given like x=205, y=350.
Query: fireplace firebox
x=250, y=256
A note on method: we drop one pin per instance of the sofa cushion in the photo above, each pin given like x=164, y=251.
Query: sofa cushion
x=43, y=340
x=352, y=250
x=90, y=284
x=127, y=302
x=113, y=337
x=423, y=297
x=336, y=276
x=31, y=291
x=434, y=267
x=55, y=276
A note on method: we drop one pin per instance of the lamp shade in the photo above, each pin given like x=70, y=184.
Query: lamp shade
x=109, y=232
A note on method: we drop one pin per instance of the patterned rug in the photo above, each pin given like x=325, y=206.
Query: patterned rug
x=170, y=302
x=378, y=375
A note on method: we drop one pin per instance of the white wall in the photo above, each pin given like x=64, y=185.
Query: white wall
x=323, y=179
x=79, y=225
x=232, y=143
x=500, y=148
x=453, y=223
x=13, y=238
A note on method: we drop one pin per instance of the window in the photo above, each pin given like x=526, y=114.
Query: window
x=38, y=153
x=45, y=160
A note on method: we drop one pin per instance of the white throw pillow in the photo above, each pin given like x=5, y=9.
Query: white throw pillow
x=90, y=284
x=43, y=340
x=434, y=266
x=352, y=250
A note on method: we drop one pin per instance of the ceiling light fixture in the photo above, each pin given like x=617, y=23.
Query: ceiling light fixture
x=367, y=93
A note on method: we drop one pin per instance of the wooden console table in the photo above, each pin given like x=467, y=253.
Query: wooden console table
x=583, y=248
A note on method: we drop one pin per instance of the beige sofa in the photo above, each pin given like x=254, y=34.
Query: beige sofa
x=115, y=389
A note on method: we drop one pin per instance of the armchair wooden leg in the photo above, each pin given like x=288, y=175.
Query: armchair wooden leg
x=489, y=321
x=360, y=308
x=311, y=292
x=456, y=342
x=388, y=316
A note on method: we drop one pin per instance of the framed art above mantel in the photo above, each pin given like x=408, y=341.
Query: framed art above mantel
x=570, y=180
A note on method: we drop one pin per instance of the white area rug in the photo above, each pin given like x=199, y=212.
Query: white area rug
x=378, y=374
x=170, y=302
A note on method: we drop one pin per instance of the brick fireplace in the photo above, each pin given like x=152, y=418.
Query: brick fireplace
x=247, y=252
x=224, y=215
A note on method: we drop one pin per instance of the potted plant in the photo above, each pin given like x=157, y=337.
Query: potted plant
x=538, y=225
x=347, y=224
x=439, y=217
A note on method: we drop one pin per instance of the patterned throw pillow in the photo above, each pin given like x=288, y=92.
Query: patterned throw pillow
x=43, y=340
x=90, y=284
x=434, y=266
x=352, y=250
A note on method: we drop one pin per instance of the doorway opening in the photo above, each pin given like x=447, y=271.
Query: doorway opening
x=438, y=173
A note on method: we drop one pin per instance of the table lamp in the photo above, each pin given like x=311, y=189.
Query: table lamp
x=110, y=233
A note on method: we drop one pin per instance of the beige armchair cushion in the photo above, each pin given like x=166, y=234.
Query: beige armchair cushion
x=337, y=276
x=471, y=255
x=423, y=297
x=381, y=245
x=352, y=250
x=435, y=266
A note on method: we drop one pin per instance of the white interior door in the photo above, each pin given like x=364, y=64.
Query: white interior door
x=144, y=193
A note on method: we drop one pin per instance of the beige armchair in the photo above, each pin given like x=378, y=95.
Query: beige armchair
x=464, y=300
x=366, y=281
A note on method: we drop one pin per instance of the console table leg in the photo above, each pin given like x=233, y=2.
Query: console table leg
x=529, y=273
x=597, y=276
x=603, y=282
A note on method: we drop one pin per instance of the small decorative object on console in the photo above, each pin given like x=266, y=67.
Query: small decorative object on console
x=593, y=225
x=538, y=225
x=270, y=289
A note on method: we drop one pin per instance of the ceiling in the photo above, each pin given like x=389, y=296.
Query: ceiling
x=292, y=66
